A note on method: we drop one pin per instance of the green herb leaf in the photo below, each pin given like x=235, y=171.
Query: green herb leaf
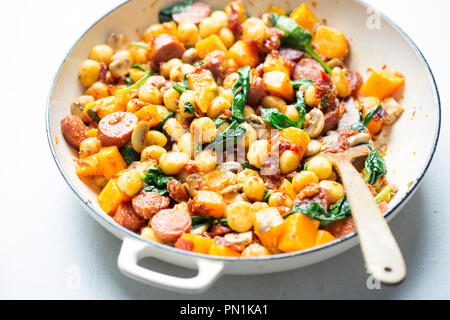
x=298, y=38
x=220, y=121
x=128, y=80
x=129, y=155
x=224, y=222
x=297, y=84
x=338, y=211
x=375, y=166
x=160, y=125
x=157, y=180
x=369, y=115
x=383, y=193
x=198, y=63
x=267, y=194
x=137, y=84
x=182, y=86
x=276, y=119
x=357, y=127
x=92, y=113
x=201, y=220
x=189, y=108
x=240, y=90
x=228, y=137
x=141, y=67
x=300, y=105
x=165, y=15
x=140, y=45
x=247, y=165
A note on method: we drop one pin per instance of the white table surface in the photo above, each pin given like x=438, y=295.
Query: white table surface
x=48, y=241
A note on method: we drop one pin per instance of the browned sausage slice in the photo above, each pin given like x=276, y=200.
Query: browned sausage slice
x=74, y=130
x=293, y=55
x=116, y=128
x=164, y=48
x=195, y=14
x=126, y=217
x=184, y=244
x=308, y=68
x=355, y=80
x=170, y=224
x=147, y=204
x=177, y=191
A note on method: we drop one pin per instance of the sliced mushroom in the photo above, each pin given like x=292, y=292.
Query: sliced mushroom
x=79, y=104
x=335, y=63
x=393, y=109
x=191, y=191
x=314, y=123
x=194, y=180
x=239, y=239
x=358, y=139
x=139, y=135
x=314, y=148
x=255, y=121
x=117, y=41
x=230, y=166
x=120, y=67
x=230, y=189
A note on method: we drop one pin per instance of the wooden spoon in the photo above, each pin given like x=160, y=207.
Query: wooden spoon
x=383, y=257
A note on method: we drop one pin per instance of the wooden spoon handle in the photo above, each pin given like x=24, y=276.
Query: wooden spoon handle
x=383, y=256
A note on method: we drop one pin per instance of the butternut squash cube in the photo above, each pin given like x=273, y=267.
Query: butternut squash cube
x=202, y=79
x=330, y=42
x=123, y=97
x=297, y=137
x=159, y=29
x=150, y=114
x=367, y=104
x=279, y=84
x=276, y=62
x=201, y=244
x=209, y=45
x=110, y=161
x=87, y=167
x=244, y=53
x=304, y=17
x=299, y=233
x=382, y=84
x=286, y=187
x=208, y=203
x=111, y=197
x=217, y=249
x=268, y=225
x=324, y=237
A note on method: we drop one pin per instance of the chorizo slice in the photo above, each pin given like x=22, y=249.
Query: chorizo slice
x=147, y=204
x=291, y=54
x=313, y=193
x=308, y=68
x=195, y=14
x=184, y=244
x=220, y=230
x=170, y=224
x=164, y=48
x=341, y=228
x=116, y=128
x=74, y=130
x=127, y=217
x=177, y=191
x=355, y=80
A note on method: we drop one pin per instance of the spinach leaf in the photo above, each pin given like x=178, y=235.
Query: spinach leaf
x=297, y=84
x=140, y=67
x=247, y=165
x=160, y=125
x=201, y=220
x=165, y=15
x=157, y=180
x=140, y=45
x=137, y=84
x=128, y=80
x=189, y=108
x=338, y=211
x=129, y=155
x=182, y=86
x=369, y=115
x=300, y=105
x=375, y=166
x=92, y=113
x=298, y=38
x=219, y=121
x=267, y=194
x=276, y=119
x=224, y=222
x=228, y=137
x=240, y=90
x=198, y=63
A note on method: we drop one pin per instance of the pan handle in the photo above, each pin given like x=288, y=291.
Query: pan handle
x=133, y=250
